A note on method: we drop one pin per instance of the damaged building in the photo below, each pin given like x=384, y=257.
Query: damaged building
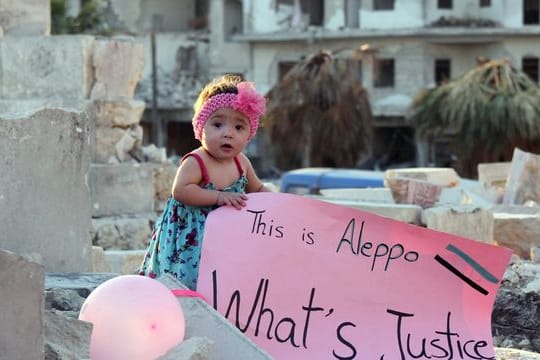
x=405, y=46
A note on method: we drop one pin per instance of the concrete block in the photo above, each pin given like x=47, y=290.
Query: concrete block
x=163, y=180
x=368, y=194
x=522, y=185
x=43, y=190
x=121, y=189
x=515, y=354
x=47, y=67
x=401, y=212
x=66, y=338
x=493, y=174
x=25, y=17
x=125, y=262
x=122, y=233
x=445, y=177
x=84, y=283
x=517, y=227
x=469, y=221
x=118, y=64
x=119, y=113
x=99, y=262
x=412, y=191
x=22, y=300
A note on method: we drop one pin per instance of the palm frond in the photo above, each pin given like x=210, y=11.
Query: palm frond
x=493, y=104
x=319, y=101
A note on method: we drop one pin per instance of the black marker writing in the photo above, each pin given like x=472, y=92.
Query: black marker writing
x=382, y=252
x=264, y=227
x=445, y=344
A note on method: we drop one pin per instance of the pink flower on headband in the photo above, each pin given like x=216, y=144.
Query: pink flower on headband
x=248, y=101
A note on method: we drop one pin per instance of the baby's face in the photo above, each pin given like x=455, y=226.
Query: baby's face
x=226, y=133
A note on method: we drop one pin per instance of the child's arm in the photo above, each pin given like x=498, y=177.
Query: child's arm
x=186, y=188
x=254, y=183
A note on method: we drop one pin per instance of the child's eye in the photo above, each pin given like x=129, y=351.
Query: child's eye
x=217, y=124
x=240, y=127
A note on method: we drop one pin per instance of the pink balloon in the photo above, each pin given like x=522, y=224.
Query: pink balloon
x=134, y=317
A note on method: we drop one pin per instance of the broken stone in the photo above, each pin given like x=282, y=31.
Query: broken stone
x=517, y=228
x=492, y=179
x=51, y=194
x=125, y=262
x=118, y=67
x=194, y=348
x=469, y=221
x=99, y=262
x=121, y=113
x=122, y=233
x=123, y=189
x=412, y=191
x=22, y=302
x=523, y=184
x=66, y=337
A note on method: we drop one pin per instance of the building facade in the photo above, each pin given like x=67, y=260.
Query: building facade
x=405, y=46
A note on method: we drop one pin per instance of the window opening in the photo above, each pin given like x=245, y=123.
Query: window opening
x=530, y=12
x=529, y=65
x=442, y=70
x=384, y=73
x=485, y=3
x=383, y=5
x=444, y=4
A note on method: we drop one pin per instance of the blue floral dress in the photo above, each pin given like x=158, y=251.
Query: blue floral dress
x=176, y=241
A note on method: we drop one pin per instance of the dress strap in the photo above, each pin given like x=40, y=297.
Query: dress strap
x=239, y=166
x=200, y=161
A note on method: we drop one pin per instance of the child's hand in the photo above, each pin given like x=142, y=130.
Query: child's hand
x=238, y=200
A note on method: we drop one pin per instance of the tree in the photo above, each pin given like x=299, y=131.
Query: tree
x=319, y=114
x=90, y=20
x=489, y=111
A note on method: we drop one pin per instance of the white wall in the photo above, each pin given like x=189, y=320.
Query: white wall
x=167, y=45
x=512, y=13
x=176, y=14
x=334, y=14
x=227, y=56
x=262, y=18
x=406, y=14
x=467, y=9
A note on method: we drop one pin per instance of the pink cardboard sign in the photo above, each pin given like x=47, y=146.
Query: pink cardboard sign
x=306, y=279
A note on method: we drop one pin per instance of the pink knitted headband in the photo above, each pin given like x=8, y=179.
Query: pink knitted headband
x=248, y=101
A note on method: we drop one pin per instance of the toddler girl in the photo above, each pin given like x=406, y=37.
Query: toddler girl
x=226, y=117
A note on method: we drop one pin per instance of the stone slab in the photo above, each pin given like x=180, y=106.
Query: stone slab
x=99, y=261
x=44, y=196
x=122, y=233
x=401, y=212
x=522, y=185
x=517, y=227
x=118, y=64
x=85, y=283
x=121, y=189
x=46, y=67
x=469, y=221
x=446, y=177
x=25, y=17
x=125, y=262
x=66, y=338
x=22, y=306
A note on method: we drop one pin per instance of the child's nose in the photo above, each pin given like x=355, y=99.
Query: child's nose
x=228, y=131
